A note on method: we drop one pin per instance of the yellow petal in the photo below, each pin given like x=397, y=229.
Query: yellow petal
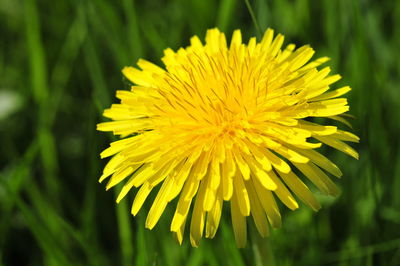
x=179, y=233
x=138, y=77
x=268, y=203
x=111, y=166
x=286, y=53
x=339, y=145
x=241, y=194
x=228, y=170
x=140, y=198
x=257, y=211
x=300, y=189
x=277, y=162
x=300, y=57
x=332, y=94
x=148, y=66
x=236, y=39
x=184, y=203
x=321, y=161
x=260, y=174
x=214, y=216
x=209, y=193
x=159, y=203
x=121, y=175
x=197, y=222
x=314, y=64
x=180, y=176
x=283, y=193
x=317, y=129
x=340, y=119
x=238, y=223
x=345, y=136
x=319, y=178
x=200, y=167
x=260, y=156
x=291, y=155
x=276, y=45
x=241, y=164
x=138, y=178
x=267, y=39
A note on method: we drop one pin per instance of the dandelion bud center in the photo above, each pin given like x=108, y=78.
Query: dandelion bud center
x=228, y=130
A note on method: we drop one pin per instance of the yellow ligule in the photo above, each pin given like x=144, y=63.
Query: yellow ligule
x=322, y=161
x=214, y=216
x=339, y=145
x=283, y=193
x=300, y=189
x=319, y=178
x=267, y=39
x=257, y=211
x=140, y=197
x=184, y=203
x=138, y=77
x=241, y=164
x=236, y=39
x=159, y=203
x=121, y=175
x=238, y=223
x=268, y=203
x=332, y=94
x=197, y=223
x=241, y=194
x=277, y=162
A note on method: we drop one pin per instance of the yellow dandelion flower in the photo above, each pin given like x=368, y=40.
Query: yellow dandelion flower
x=226, y=123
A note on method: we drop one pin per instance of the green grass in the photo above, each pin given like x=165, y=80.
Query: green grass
x=59, y=68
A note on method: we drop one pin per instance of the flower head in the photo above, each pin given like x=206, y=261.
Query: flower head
x=226, y=123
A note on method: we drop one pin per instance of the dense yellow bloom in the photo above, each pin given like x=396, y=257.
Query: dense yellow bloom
x=226, y=124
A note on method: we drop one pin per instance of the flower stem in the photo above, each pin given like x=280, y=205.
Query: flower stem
x=263, y=255
x=253, y=17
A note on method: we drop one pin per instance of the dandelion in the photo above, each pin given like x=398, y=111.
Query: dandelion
x=226, y=123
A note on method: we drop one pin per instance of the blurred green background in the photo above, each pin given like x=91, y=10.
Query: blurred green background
x=60, y=65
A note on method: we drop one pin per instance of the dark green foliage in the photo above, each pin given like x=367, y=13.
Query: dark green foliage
x=60, y=65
